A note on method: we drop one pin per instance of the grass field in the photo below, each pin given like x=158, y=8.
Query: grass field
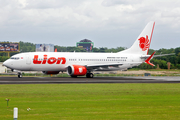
x=91, y=101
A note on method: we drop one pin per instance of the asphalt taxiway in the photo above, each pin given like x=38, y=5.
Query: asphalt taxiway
x=61, y=80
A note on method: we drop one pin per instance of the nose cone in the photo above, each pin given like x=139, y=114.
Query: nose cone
x=7, y=63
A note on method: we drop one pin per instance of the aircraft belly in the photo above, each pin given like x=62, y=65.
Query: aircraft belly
x=47, y=68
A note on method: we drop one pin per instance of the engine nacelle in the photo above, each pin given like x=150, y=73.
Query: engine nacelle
x=76, y=70
x=50, y=72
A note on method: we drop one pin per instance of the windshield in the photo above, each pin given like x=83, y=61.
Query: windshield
x=15, y=58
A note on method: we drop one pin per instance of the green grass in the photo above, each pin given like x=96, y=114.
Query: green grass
x=91, y=101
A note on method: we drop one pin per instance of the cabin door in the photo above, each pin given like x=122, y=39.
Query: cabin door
x=28, y=60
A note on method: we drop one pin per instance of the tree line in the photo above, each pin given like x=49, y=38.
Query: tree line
x=162, y=61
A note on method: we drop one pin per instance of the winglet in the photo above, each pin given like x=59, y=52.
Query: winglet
x=55, y=50
x=149, y=58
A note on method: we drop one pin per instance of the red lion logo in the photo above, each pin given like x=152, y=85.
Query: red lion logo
x=144, y=43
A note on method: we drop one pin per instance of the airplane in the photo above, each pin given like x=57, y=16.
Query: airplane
x=80, y=64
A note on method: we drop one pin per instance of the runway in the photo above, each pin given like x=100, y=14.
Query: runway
x=63, y=80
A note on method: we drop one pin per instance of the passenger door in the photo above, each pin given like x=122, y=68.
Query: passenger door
x=28, y=59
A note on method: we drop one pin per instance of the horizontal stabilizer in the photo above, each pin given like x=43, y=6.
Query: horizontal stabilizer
x=164, y=55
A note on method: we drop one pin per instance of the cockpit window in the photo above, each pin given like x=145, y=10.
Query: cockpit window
x=15, y=58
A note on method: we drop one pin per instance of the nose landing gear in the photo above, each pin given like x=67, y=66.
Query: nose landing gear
x=19, y=75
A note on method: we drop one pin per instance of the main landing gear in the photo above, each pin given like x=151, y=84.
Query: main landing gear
x=73, y=76
x=89, y=75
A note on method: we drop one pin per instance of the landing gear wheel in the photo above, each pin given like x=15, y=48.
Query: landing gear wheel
x=89, y=75
x=73, y=76
x=19, y=75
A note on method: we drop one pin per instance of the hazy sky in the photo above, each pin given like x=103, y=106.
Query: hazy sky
x=108, y=23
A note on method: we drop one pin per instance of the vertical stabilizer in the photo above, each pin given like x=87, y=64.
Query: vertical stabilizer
x=142, y=43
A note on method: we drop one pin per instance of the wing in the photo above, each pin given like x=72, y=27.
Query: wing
x=104, y=65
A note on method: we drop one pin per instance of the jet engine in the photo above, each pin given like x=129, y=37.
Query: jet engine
x=76, y=70
x=50, y=72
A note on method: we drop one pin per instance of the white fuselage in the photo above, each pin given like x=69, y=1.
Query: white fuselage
x=54, y=61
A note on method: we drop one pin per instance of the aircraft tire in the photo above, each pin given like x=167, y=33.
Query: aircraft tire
x=19, y=76
x=89, y=75
x=73, y=76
